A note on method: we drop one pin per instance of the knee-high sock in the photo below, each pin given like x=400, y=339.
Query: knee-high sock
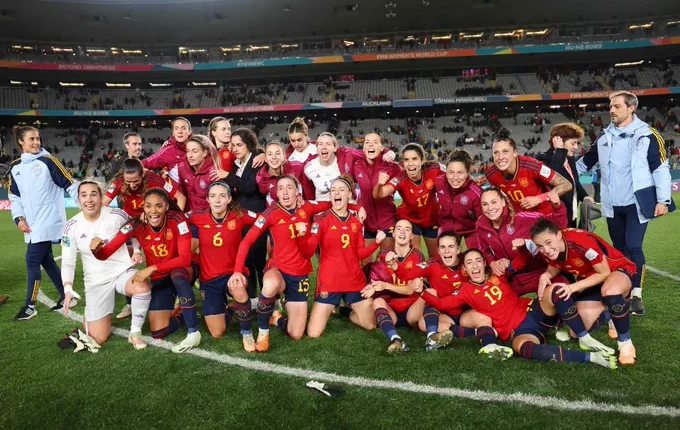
x=486, y=335
x=53, y=270
x=175, y=323
x=244, y=316
x=618, y=308
x=283, y=325
x=139, y=307
x=566, y=309
x=431, y=317
x=187, y=299
x=548, y=353
x=461, y=332
x=265, y=308
x=384, y=321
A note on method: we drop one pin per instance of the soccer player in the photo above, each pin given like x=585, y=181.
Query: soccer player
x=173, y=151
x=458, y=197
x=36, y=191
x=339, y=235
x=599, y=268
x=523, y=321
x=416, y=188
x=220, y=135
x=88, y=231
x=530, y=184
x=381, y=214
x=166, y=241
x=287, y=270
x=197, y=170
x=219, y=233
x=275, y=166
x=300, y=149
x=395, y=304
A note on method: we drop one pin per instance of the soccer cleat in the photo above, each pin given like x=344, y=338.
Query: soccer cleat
x=562, y=333
x=497, y=352
x=176, y=312
x=60, y=304
x=604, y=360
x=192, y=340
x=25, y=313
x=3, y=299
x=589, y=343
x=124, y=313
x=273, y=320
x=612, y=331
x=627, y=354
x=262, y=344
x=249, y=343
x=636, y=306
x=397, y=347
x=438, y=340
x=136, y=340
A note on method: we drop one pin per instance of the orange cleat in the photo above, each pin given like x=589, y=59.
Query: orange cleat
x=627, y=354
x=275, y=318
x=249, y=343
x=177, y=311
x=262, y=344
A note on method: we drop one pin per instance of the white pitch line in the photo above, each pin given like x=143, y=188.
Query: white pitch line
x=662, y=273
x=410, y=387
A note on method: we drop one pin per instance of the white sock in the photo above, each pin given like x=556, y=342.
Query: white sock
x=139, y=307
x=637, y=292
x=263, y=332
x=625, y=342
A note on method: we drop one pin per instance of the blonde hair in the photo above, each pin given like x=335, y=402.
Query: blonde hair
x=207, y=144
x=298, y=126
x=212, y=126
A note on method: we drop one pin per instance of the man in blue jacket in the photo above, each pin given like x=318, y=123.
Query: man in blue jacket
x=635, y=182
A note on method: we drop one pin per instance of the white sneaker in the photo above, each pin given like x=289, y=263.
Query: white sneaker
x=562, y=333
x=589, y=343
x=192, y=340
x=136, y=340
x=124, y=313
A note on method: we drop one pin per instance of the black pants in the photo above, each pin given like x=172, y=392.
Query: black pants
x=596, y=197
x=255, y=262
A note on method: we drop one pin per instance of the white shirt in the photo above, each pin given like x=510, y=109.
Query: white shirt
x=322, y=177
x=302, y=156
x=78, y=233
x=241, y=166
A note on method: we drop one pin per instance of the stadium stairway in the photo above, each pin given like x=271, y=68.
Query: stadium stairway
x=330, y=97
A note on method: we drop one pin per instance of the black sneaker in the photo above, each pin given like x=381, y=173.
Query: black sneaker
x=26, y=313
x=636, y=306
x=59, y=306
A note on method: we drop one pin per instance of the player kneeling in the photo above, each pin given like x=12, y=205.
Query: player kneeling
x=85, y=233
x=523, y=320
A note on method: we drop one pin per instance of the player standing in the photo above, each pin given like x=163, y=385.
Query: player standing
x=173, y=151
x=219, y=132
x=300, y=149
x=275, y=166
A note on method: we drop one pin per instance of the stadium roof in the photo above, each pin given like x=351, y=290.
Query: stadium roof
x=148, y=22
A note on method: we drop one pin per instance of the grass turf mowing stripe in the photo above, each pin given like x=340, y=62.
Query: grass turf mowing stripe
x=478, y=395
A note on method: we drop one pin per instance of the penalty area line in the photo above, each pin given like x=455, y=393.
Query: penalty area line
x=409, y=387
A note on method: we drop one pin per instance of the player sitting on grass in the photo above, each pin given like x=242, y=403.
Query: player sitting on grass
x=524, y=321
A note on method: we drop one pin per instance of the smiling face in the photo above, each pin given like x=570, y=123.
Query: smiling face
x=475, y=266
x=456, y=174
x=155, y=208
x=326, y=148
x=492, y=205
x=287, y=192
x=222, y=134
x=133, y=180
x=504, y=155
x=448, y=250
x=90, y=199
x=340, y=194
x=181, y=130
x=239, y=148
x=298, y=141
x=219, y=199
x=413, y=164
x=30, y=144
x=549, y=244
x=274, y=156
x=403, y=232
x=372, y=146
x=196, y=154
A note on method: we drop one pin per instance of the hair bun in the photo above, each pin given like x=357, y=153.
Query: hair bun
x=503, y=133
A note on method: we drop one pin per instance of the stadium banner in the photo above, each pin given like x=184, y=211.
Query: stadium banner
x=230, y=110
x=5, y=205
x=675, y=186
x=348, y=58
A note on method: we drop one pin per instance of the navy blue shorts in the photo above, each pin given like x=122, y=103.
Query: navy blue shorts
x=214, y=295
x=297, y=287
x=592, y=294
x=335, y=298
x=401, y=319
x=535, y=323
x=370, y=234
x=194, y=231
x=163, y=295
x=430, y=233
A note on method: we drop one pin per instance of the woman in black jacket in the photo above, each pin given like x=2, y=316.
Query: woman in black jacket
x=243, y=179
x=564, y=140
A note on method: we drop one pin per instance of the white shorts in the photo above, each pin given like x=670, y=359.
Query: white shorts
x=100, y=300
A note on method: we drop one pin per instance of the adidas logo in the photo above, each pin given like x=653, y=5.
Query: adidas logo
x=334, y=228
x=360, y=176
x=83, y=236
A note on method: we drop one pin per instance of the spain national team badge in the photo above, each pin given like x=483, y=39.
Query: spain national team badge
x=429, y=184
x=168, y=235
x=524, y=182
x=578, y=262
x=510, y=229
x=494, y=280
x=225, y=155
x=355, y=227
x=409, y=264
x=202, y=184
x=302, y=214
x=463, y=200
x=231, y=225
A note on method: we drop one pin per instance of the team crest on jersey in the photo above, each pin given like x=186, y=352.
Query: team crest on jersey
x=346, y=167
x=168, y=235
x=578, y=262
x=510, y=229
x=429, y=184
x=494, y=280
x=524, y=182
x=202, y=184
x=302, y=214
x=409, y=264
x=231, y=225
x=36, y=169
x=463, y=200
x=110, y=229
x=324, y=295
x=225, y=155
x=355, y=227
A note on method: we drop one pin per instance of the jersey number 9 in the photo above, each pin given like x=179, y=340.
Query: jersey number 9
x=345, y=240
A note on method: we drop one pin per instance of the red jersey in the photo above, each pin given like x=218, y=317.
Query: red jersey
x=168, y=247
x=381, y=214
x=218, y=241
x=530, y=179
x=342, y=248
x=133, y=201
x=382, y=272
x=494, y=298
x=267, y=183
x=459, y=209
x=418, y=198
x=226, y=159
x=286, y=253
x=585, y=249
